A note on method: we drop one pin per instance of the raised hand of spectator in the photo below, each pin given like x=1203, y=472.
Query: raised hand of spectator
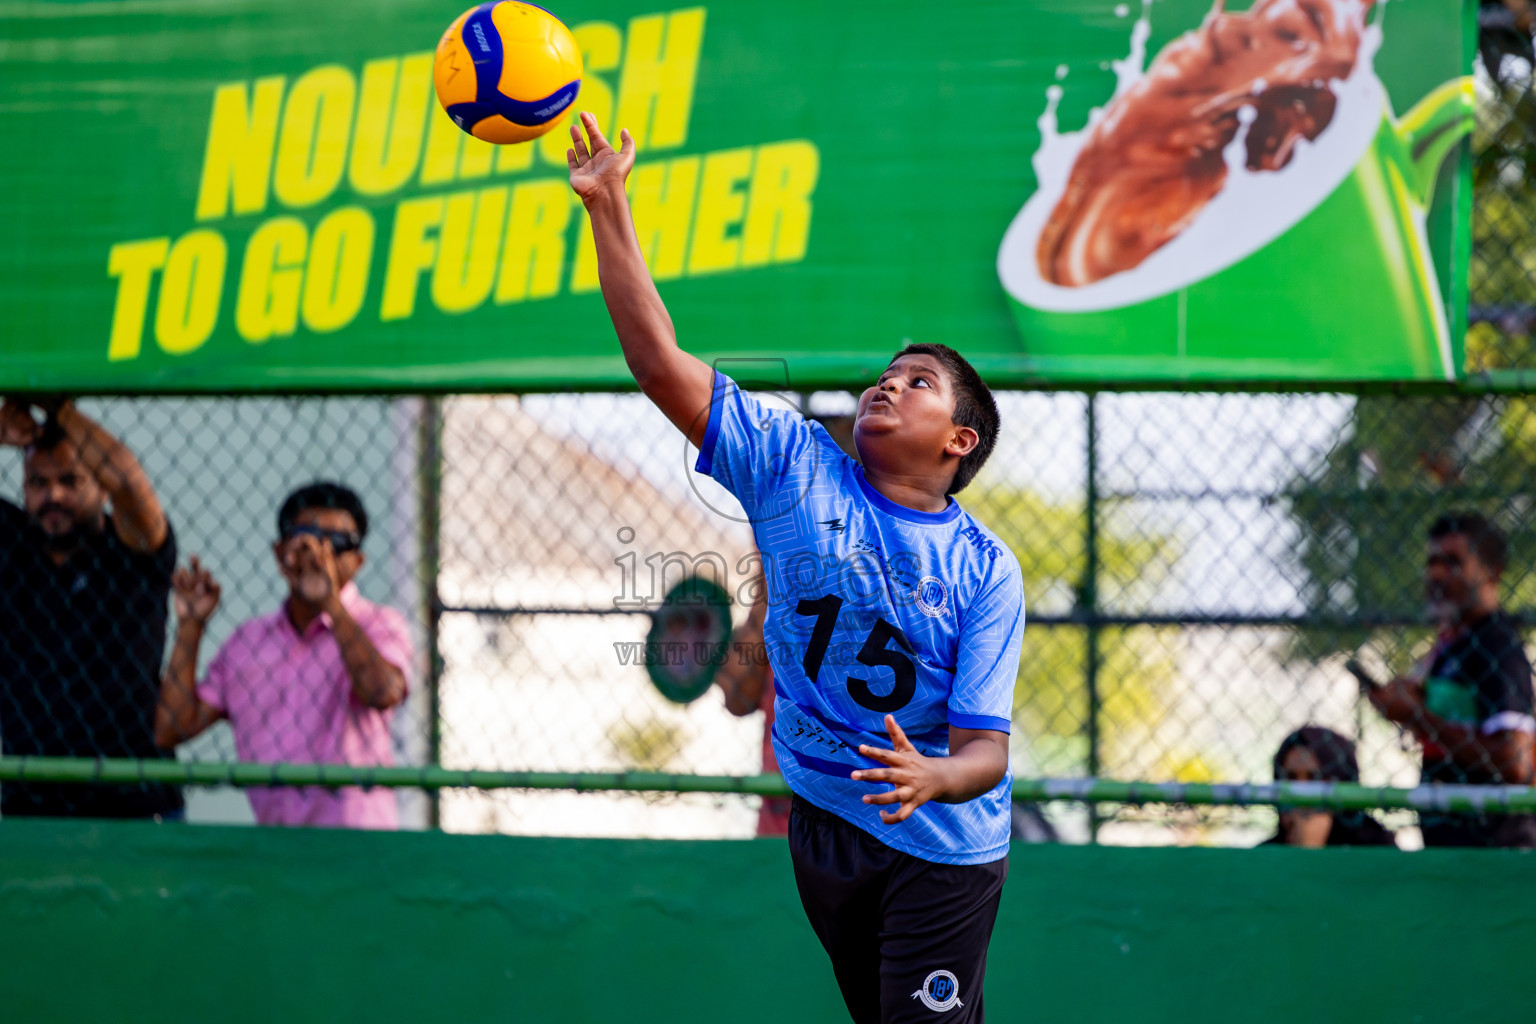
x=312, y=563
x=17, y=427
x=197, y=593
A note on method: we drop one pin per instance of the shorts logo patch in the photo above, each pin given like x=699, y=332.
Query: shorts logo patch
x=932, y=595
x=940, y=992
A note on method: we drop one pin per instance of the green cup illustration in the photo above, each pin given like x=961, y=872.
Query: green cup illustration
x=1345, y=289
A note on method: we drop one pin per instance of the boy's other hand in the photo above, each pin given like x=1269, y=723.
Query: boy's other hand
x=917, y=778
x=598, y=167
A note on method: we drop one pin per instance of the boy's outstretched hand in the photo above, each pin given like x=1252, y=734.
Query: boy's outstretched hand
x=600, y=166
x=680, y=385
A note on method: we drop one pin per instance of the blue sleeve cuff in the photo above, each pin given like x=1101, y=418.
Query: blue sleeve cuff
x=706, y=460
x=991, y=722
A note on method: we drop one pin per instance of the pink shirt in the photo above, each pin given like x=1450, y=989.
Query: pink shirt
x=289, y=700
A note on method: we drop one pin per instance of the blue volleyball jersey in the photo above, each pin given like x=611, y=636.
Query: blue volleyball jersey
x=873, y=608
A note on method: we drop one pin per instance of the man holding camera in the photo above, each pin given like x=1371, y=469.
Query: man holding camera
x=314, y=682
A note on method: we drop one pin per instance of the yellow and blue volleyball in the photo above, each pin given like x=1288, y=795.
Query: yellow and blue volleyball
x=507, y=71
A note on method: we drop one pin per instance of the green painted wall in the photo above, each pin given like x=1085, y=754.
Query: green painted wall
x=130, y=922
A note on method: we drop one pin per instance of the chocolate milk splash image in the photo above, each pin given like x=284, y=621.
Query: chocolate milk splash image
x=1198, y=225
x=1157, y=157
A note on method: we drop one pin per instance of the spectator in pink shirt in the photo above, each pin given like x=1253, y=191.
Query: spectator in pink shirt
x=315, y=681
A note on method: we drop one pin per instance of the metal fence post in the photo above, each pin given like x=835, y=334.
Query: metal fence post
x=1088, y=604
x=430, y=489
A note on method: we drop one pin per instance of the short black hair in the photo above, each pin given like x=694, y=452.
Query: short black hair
x=1335, y=754
x=322, y=494
x=1486, y=540
x=974, y=407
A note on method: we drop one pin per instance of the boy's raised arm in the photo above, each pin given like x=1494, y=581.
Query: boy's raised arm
x=679, y=384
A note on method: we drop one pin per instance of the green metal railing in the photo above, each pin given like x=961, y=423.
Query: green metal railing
x=1332, y=795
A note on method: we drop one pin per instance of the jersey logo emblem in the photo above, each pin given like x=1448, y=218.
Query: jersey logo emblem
x=835, y=525
x=940, y=992
x=932, y=595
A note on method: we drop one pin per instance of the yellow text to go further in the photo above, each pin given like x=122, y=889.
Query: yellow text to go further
x=713, y=213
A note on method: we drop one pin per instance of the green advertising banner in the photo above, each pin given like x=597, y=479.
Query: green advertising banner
x=264, y=195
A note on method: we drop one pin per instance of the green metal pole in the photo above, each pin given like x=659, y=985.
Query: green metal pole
x=430, y=487
x=1088, y=606
x=1337, y=795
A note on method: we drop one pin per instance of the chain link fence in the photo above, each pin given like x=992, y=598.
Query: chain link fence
x=1198, y=567
x=1502, y=277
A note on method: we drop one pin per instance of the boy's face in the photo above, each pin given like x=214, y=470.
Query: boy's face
x=910, y=412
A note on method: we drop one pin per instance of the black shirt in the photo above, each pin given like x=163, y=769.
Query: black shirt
x=1480, y=678
x=80, y=651
x=1349, y=828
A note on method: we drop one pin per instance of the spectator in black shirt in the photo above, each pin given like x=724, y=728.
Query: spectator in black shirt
x=83, y=607
x=1315, y=754
x=1469, y=701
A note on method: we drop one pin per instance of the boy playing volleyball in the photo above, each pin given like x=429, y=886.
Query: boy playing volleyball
x=891, y=613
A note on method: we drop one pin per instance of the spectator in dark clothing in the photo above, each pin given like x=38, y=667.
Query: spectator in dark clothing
x=1469, y=701
x=83, y=607
x=1315, y=754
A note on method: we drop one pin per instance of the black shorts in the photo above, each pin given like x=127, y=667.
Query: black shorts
x=907, y=937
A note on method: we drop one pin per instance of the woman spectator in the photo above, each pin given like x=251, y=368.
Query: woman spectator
x=1315, y=754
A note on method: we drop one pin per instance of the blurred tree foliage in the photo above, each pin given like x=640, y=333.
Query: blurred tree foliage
x=1502, y=277
x=1136, y=665
x=1363, y=508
